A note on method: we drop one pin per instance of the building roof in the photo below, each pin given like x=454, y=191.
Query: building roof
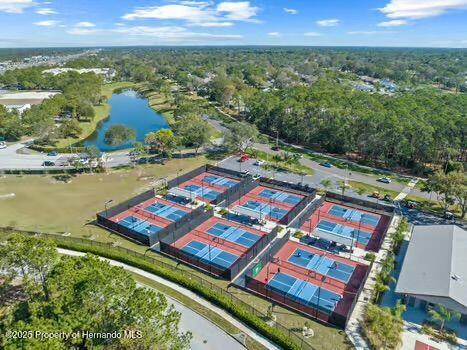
x=436, y=263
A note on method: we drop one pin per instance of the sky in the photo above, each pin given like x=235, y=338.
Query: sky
x=401, y=23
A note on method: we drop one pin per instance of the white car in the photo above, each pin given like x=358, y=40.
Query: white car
x=2, y=144
x=259, y=162
x=385, y=180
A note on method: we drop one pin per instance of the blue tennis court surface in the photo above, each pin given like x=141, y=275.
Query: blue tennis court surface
x=166, y=211
x=280, y=196
x=304, y=292
x=354, y=215
x=344, y=231
x=219, y=181
x=322, y=265
x=209, y=254
x=234, y=234
x=140, y=226
x=202, y=192
x=266, y=209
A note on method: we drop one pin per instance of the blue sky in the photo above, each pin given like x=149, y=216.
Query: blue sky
x=427, y=23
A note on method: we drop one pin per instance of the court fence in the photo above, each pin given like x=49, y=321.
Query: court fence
x=295, y=336
x=104, y=220
x=167, y=247
x=318, y=313
x=306, y=214
x=378, y=207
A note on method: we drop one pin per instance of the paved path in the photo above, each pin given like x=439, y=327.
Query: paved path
x=245, y=329
x=206, y=335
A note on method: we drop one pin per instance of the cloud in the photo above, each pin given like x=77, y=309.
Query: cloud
x=312, y=34
x=238, y=11
x=371, y=32
x=393, y=23
x=274, y=34
x=198, y=13
x=15, y=6
x=50, y=23
x=174, y=34
x=85, y=25
x=291, y=11
x=328, y=22
x=46, y=11
x=416, y=9
x=82, y=31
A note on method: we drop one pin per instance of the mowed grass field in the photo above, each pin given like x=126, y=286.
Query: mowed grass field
x=45, y=204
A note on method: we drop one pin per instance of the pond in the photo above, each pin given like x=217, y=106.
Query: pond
x=132, y=110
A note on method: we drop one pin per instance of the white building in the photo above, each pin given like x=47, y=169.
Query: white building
x=108, y=73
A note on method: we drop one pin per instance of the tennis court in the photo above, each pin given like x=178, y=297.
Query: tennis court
x=334, y=231
x=168, y=212
x=322, y=264
x=304, y=292
x=264, y=210
x=200, y=191
x=354, y=215
x=234, y=234
x=209, y=254
x=140, y=226
x=280, y=196
x=219, y=181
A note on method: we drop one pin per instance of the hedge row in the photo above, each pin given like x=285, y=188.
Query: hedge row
x=220, y=300
x=47, y=149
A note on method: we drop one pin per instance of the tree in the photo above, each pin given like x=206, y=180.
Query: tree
x=70, y=128
x=444, y=185
x=138, y=151
x=119, y=134
x=442, y=315
x=241, y=136
x=85, y=111
x=193, y=131
x=88, y=294
x=29, y=258
x=460, y=191
x=383, y=326
x=162, y=141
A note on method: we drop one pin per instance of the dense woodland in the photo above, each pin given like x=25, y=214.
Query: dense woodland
x=303, y=95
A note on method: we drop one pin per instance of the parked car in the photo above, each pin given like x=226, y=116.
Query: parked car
x=256, y=176
x=52, y=154
x=245, y=173
x=259, y=162
x=387, y=198
x=2, y=144
x=326, y=165
x=244, y=158
x=48, y=163
x=385, y=180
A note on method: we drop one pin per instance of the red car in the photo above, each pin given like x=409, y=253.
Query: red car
x=244, y=158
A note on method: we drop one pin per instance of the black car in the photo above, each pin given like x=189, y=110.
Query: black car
x=48, y=163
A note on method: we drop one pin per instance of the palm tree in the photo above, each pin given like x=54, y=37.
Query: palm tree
x=443, y=315
x=380, y=288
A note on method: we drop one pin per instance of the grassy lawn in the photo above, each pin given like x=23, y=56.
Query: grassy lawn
x=102, y=112
x=42, y=203
x=433, y=205
x=163, y=105
x=294, y=167
x=222, y=323
x=363, y=188
x=341, y=164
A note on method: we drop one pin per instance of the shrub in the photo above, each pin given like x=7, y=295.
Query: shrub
x=370, y=256
x=298, y=234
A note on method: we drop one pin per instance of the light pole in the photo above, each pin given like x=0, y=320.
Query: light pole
x=106, y=209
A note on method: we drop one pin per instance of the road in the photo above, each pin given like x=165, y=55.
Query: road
x=206, y=335
x=11, y=158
